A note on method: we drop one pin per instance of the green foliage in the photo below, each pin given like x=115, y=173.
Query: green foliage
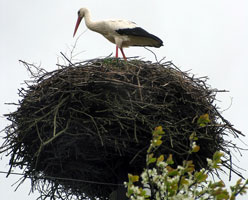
x=160, y=180
x=203, y=120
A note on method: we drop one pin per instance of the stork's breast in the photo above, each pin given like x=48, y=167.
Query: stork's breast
x=110, y=38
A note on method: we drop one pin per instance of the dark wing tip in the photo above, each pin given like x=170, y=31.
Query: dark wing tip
x=160, y=42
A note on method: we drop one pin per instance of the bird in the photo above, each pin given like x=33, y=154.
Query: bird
x=122, y=33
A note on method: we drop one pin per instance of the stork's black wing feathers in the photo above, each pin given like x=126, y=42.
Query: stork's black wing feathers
x=139, y=32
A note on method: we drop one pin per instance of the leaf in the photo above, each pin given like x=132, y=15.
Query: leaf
x=143, y=192
x=184, y=181
x=151, y=159
x=159, y=128
x=189, y=166
x=172, y=172
x=221, y=194
x=217, y=184
x=160, y=158
x=203, y=120
x=150, y=155
x=191, y=137
x=217, y=155
x=133, y=178
x=217, y=159
x=200, y=176
x=169, y=160
x=158, y=131
x=239, y=181
x=157, y=142
x=129, y=192
x=196, y=148
x=169, y=168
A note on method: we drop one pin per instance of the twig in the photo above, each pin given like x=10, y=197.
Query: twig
x=67, y=59
x=152, y=53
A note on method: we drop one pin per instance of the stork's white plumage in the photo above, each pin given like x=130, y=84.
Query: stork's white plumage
x=120, y=32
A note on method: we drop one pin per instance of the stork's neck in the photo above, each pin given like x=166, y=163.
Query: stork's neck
x=89, y=23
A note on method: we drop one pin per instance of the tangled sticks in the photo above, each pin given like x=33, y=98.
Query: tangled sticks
x=77, y=127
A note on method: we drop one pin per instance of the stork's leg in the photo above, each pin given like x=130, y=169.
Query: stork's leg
x=116, y=54
x=123, y=54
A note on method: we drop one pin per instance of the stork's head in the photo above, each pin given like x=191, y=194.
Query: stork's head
x=81, y=14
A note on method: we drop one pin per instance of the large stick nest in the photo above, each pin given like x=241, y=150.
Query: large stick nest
x=78, y=126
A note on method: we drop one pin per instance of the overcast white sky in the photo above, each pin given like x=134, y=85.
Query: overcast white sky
x=210, y=37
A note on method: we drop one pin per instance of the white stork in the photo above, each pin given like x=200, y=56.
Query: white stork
x=120, y=32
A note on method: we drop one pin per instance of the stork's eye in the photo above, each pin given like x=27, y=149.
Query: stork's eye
x=79, y=12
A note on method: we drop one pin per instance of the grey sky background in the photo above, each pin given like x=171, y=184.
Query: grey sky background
x=208, y=37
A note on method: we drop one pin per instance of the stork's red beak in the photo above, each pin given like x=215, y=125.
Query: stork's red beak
x=77, y=25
